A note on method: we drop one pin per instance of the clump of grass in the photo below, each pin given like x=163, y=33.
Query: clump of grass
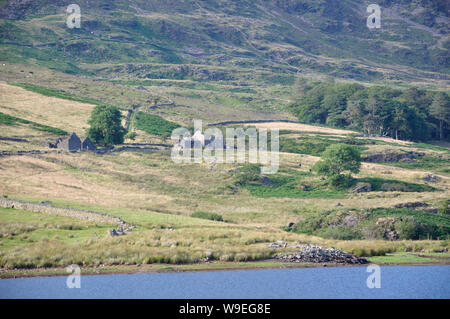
x=207, y=215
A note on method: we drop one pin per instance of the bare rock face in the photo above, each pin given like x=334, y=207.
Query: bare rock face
x=318, y=254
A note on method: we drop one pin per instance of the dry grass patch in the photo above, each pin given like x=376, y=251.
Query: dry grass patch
x=64, y=114
x=302, y=128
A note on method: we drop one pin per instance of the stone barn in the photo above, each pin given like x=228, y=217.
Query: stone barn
x=87, y=145
x=72, y=143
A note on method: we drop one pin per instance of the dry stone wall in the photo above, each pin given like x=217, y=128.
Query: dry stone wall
x=68, y=212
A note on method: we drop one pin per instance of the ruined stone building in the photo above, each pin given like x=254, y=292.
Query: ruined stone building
x=87, y=145
x=72, y=143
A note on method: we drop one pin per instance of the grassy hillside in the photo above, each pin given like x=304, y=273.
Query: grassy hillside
x=165, y=63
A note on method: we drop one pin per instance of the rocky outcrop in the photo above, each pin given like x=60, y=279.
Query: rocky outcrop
x=387, y=225
x=317, y=254
x=362, y=188
x=412, y=205
x=432, y=178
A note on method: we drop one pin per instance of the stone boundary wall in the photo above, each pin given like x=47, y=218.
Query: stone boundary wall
x=100, y=151
x=12, y=139
x=251, y=122
x=66, y=211
x=17, y=153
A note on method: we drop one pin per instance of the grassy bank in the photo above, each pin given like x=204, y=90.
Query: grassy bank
x=391, y=259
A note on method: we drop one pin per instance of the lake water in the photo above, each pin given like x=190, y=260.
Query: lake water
x=331, y=282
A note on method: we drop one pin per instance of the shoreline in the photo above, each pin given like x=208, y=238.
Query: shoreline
x=206, y=267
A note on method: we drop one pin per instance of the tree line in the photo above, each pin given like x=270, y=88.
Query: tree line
x=410, y=114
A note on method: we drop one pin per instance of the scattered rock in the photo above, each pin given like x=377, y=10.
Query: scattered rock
x=339, y=205
x=113, y=233
x=290, y=225
x=412, y=205
x=431, y=178
x=277, y=244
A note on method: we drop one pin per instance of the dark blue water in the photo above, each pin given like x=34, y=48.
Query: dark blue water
x=339, y=282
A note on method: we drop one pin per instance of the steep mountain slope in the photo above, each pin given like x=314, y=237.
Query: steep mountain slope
x=282, y=37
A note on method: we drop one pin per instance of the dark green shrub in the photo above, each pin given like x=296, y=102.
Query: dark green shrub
x=341, y=181
x=248, y=173
x=338, y=161
x=445, y=208
x=106, y=126
x=407, y=228
x=339, y=232
x=207, y=215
